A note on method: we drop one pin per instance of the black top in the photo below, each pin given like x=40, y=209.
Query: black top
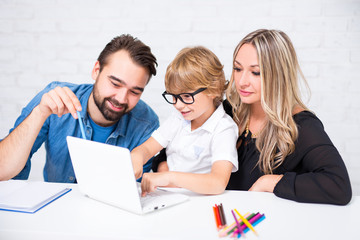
x=314, y=172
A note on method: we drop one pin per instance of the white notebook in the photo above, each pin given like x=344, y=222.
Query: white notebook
x=28, y=197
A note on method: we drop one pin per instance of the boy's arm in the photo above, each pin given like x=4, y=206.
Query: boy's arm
x=214, y=182
x=141, y=154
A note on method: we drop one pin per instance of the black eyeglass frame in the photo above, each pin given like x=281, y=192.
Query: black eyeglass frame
x=178, y=96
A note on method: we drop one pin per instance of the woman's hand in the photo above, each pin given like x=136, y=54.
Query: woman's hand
x=266, y=183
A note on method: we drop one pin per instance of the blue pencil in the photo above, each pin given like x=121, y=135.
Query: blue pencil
x=255, y=223
x=81, y=125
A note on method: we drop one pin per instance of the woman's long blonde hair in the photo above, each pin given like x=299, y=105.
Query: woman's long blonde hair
x=280, y=93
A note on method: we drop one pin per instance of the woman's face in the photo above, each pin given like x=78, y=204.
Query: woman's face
x=246, y=74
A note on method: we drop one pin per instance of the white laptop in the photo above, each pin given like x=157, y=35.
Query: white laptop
x=105, y=173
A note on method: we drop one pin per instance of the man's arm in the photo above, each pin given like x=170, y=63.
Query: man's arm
x=16, y=147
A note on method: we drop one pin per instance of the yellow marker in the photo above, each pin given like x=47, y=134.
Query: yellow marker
x=246, y=222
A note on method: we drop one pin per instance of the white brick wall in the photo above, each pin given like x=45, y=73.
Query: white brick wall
x=47, y=40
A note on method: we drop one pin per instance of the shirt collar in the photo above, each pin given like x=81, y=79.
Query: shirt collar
x=214, y=119
x=84, y=99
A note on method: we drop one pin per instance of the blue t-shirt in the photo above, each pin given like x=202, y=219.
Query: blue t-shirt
x=132, y=129
x=100, y=134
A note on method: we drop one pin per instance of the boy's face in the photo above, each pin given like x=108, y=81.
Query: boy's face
x=197, y=112
x=118, y=87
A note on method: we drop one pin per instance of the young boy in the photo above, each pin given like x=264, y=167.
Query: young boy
x=200, y=138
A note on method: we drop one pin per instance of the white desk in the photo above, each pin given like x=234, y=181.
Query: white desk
x=74, y=216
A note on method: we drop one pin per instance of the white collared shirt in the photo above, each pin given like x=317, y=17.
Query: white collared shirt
x=196, y=151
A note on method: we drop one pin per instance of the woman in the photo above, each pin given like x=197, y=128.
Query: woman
x=282, y=147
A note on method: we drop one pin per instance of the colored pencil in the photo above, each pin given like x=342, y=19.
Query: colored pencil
x=256, y=222
x=81, y=125
x=222, y=215
x=216, y=218
x=237, y=222
x=232, y=227
x=246, y=222
x=253, y=220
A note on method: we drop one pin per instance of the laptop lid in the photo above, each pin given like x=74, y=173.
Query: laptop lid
x=104, y=172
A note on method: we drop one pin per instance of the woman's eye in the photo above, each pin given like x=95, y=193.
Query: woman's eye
x=256, y=73
x=236, y=69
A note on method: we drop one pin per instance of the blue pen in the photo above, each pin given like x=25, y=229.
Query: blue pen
x=81, y=125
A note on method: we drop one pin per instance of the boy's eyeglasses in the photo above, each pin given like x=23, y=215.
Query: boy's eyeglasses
x=187, y=98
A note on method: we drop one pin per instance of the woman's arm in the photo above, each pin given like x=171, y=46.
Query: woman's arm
x=209, y=183
x=325, y=181
x=315, y=172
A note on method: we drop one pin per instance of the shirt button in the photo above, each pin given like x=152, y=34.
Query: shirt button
x=87, y=132
x=71, y=178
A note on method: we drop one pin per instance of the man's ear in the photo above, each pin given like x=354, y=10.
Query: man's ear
x=96, y=71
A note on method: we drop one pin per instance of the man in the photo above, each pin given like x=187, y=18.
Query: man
x=111, y=109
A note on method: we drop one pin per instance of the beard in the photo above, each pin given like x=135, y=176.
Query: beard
x=107, y=112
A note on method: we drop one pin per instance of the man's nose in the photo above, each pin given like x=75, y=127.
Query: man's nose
x=121, y=95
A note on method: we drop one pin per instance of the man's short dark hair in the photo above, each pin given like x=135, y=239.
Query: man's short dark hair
x=138, y=51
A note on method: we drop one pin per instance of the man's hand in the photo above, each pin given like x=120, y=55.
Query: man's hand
x=59, y=101
x=16, y=147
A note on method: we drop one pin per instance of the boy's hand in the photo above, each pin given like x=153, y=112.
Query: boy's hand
x=151, y=181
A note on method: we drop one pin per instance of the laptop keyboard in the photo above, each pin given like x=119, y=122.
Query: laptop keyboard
x=150, y=197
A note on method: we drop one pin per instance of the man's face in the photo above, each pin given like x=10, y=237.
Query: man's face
x=118, y=87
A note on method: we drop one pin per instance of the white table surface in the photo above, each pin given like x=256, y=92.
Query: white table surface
x=75, y=216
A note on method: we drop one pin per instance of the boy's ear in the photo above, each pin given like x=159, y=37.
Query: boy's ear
x=212, y=96
x=96, y=70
